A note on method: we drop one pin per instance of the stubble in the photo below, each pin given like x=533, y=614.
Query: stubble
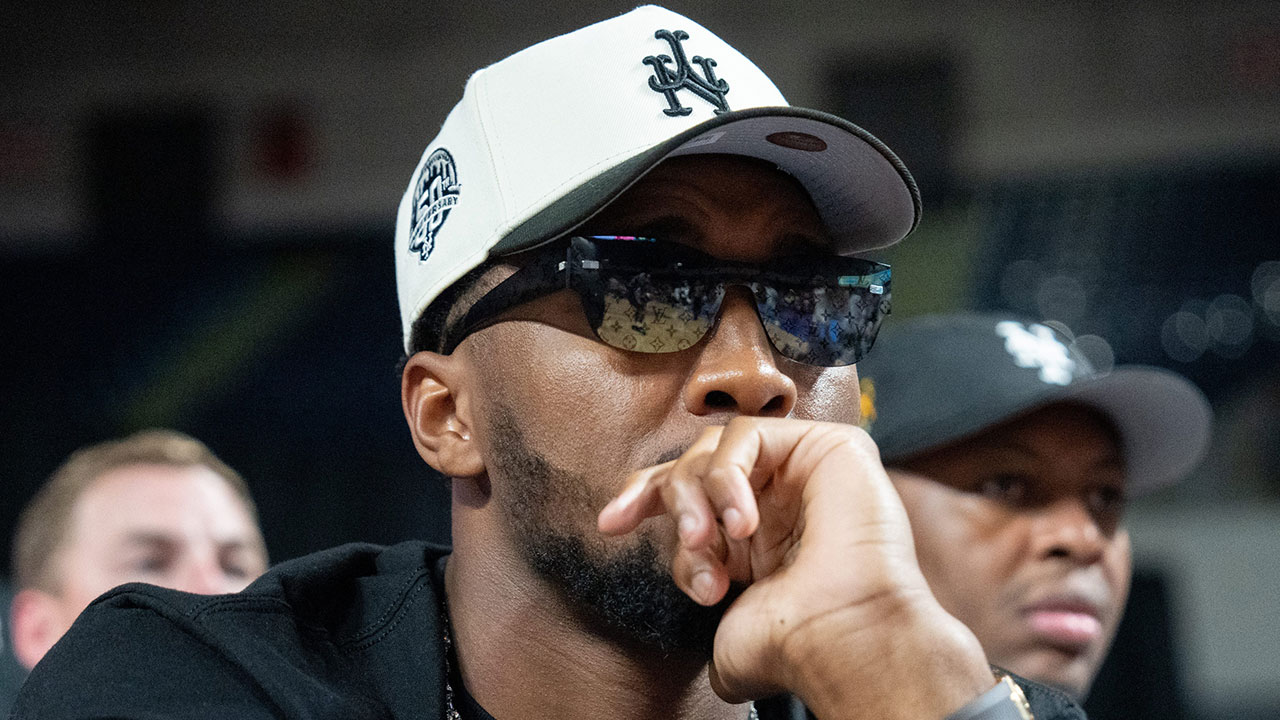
x=625, y=591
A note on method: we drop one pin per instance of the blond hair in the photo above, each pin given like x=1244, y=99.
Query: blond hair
x=42, y=526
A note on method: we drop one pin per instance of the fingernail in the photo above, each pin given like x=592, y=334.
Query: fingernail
x=733, y=519
x=688, y=525
x=702, y=585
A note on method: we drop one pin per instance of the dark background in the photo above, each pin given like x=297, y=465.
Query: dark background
x=196, y=217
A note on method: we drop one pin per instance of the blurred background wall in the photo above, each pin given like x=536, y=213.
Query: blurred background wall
x=197, y=203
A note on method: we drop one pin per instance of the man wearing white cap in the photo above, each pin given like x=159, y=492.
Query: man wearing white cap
x=1014, y=458
x=631, y=314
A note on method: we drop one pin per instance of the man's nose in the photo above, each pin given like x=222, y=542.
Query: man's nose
x=735, y=370
x=205, y=576
x=1067, y=529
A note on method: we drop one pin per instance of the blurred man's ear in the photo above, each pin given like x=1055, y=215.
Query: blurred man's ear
x=38, y=621
x=437, y=406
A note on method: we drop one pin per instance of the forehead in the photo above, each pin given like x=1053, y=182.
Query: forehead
x=730, y=206
x=158, y=497
x=1066, y=420
x=1056, y=432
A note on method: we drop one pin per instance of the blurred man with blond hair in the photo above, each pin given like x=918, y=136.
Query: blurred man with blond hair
x=156, y=507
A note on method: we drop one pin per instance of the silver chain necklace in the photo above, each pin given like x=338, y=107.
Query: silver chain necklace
x=450, y=711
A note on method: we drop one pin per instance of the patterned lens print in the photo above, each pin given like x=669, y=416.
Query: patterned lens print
x=810, y=315
x=652, y=314
x=822, y=324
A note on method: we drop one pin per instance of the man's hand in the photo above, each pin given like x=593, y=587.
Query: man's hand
x=836, y=609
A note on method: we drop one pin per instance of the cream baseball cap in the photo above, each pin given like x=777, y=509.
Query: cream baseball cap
x=545, y=138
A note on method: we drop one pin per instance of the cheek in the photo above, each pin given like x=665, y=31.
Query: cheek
x=91, y=572
x=569, y=388
x=967, y=557
x=91, y=561
x=231, y=584
x=826, y=394
x=1118, y=567
x=79, y=589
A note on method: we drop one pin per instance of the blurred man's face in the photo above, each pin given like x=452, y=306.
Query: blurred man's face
x=1018, y=533
x=177, y=527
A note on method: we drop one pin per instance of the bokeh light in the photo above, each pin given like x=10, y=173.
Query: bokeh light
x=1265, y=284
x=1229, y=323
x=1098, y=351
x=1184, y=335
x=1062, y=297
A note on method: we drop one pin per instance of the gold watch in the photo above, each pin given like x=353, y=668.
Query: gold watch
x=1016, y=696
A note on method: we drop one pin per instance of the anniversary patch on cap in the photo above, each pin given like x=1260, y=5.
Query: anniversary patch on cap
x=434, y=195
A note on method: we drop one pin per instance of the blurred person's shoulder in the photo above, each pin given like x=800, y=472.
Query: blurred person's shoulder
x=339, y=633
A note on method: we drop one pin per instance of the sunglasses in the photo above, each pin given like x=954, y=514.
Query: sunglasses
x=650, y=296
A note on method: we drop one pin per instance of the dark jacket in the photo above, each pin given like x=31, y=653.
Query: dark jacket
x=351, y=633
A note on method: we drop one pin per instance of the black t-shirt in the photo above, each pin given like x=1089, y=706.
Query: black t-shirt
x=351, y=633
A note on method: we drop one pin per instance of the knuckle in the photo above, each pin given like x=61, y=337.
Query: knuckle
x=862, y=442
x=850, y=437
x=723, y=476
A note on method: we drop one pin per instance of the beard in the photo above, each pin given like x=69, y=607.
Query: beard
x=623, y=593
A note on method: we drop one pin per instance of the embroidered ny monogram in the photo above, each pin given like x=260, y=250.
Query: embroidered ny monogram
x=668, y=80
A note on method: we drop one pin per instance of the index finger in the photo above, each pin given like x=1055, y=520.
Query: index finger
x=755, y=452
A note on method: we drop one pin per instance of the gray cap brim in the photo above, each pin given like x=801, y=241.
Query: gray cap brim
x=863, y=192
x=940, y=380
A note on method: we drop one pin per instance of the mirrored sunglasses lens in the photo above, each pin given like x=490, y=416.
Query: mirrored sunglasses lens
x=652, y=314
x=827, y=325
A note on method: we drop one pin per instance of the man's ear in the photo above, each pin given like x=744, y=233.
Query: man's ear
x=37, y=623
x=437, y=406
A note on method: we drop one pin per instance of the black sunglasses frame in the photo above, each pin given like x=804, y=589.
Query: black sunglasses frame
x=578, y=263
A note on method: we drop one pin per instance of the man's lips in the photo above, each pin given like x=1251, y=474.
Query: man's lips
x=1070, y=624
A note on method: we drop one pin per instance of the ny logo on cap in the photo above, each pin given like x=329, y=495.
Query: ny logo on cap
x=1037, y=346
x=667, y=80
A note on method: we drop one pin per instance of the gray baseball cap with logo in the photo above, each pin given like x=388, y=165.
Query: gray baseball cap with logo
x=940, y=379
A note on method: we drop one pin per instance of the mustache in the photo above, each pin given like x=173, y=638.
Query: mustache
x=672, y=453
x=677, y=449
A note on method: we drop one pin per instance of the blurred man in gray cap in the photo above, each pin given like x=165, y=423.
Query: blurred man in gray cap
x=1014, y=458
